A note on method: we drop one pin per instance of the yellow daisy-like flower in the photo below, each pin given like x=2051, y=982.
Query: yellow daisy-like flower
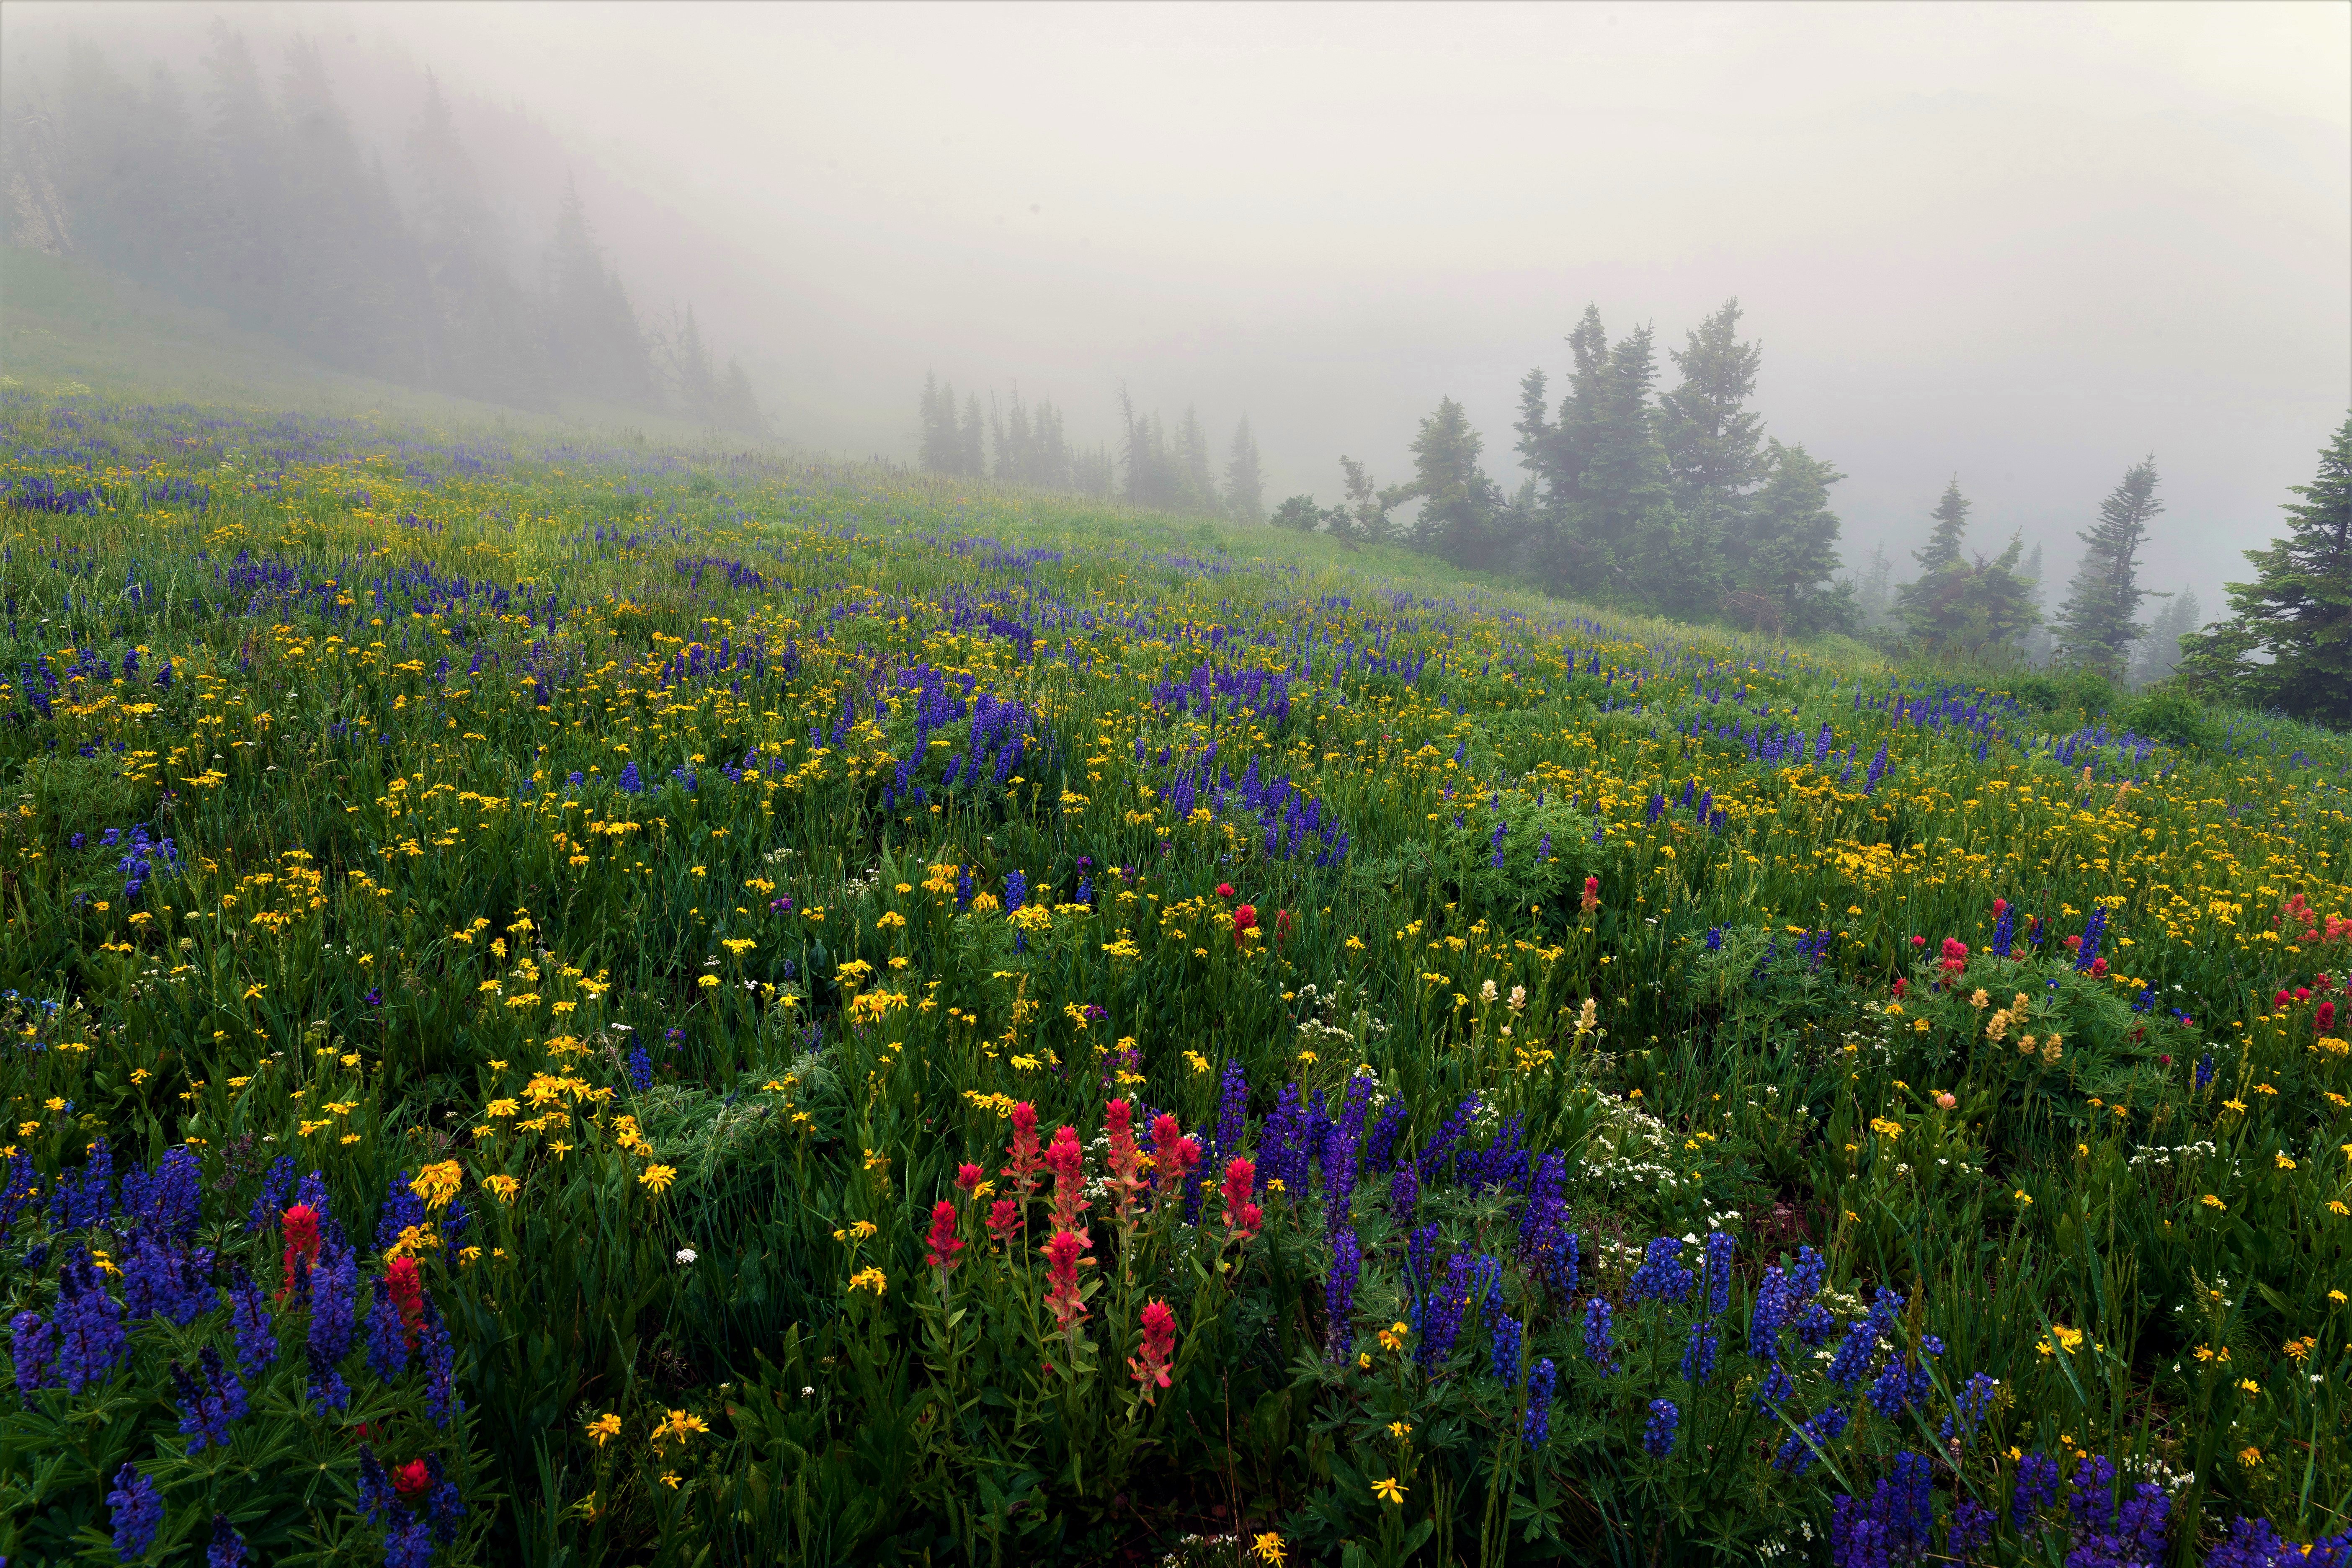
x=872, y=1279
x=1389, y=1490
x=1267, y=1548
x=605, y=1428
x=658, y=1177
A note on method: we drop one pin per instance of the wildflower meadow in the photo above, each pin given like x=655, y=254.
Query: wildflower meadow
x=583, y=1003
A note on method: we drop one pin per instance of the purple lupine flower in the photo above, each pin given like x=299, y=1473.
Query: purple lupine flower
x=1805, y=1280
x=1969, y=1405
x=1441, y=1321
x=641, y=1069
x=90, y=1340
x=228, y=1550
x=1661, y=1276
x=166, y=1200
x=1339, y=1293
x=1380, y=1153
x=403, y=1210
x=2204, y=1071
x=2093, y=929
x=409, y=1544
x=249, y=1315
x=1896, y=1526
x=443, y=1506
x=1699, y=1352
x=2091, y=1494
x=1658, y=1431
x=1599, y=1344
x=1404, y=1191
x=387, y=1338
x=270, y=1202
x=376, y=1496
x=1815, y=1324
x=1541, y=1382
x=1971, y=1528
x=1543, y=1221
x=1504, y=1360
x=137, y=1510
x=334, y=1293
x=440, y=1358
x=1436, y=1155
x=1716, y=1270
x=1769, y=1315
x=2257, y=1543
x=1855, y=1353
x=79, y=1203
x=165, y=1282
x=33, y=1343
x=2037, y=1488
x=1798, y=1451
x=1774, y=1388
x=209, y=1404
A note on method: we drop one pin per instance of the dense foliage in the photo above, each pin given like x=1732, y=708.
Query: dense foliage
x=598, y=1006
x=262, y=199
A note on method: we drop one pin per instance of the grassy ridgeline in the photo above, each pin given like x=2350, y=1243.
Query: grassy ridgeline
x=636, y=878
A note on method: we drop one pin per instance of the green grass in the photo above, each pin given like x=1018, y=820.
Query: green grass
x=394, y=943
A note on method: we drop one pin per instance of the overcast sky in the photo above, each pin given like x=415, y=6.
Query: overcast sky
x=2026, y=244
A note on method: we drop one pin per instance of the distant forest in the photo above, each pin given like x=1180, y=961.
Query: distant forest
x=256, y=198
x=1023, y=444
x=1676, y=502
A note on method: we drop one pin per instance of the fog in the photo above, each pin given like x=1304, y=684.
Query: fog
x=2026, y=246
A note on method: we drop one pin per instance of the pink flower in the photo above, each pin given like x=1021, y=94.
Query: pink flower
x=1004, y=1218
x=1068, y=1162
x=1173, y=1155
x=969, y=1177
x=1224, y=889
x=1023, y=1172
x=1062, y=1292
x=1240, y=1214
x=1150, y=1368
x=1591, y=894
x=942, y=1244
x=2325, y=1016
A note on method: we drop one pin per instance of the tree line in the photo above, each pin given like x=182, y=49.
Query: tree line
x=264, y=206
x=1024, y=444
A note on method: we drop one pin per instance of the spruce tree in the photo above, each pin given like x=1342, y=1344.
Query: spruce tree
x=2096, y=628
x=1713, y=441
x=2154, y=656
x=1245, y=481
x=2288, y=640
x=971, y=454
x=1930, y=607
x=1782, y=555
x=1199, y=487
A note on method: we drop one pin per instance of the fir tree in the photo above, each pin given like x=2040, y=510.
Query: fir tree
x=1782, y=551
x=2287, y=642
x=1200, y=488
x=1457, y=499
x=972, y=455
x=2154, y=656
x=1713, y=455
x=1299, y=514
x=1244, y=482
x=2096, y=628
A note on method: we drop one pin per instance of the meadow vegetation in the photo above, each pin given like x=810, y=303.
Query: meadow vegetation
x=572, y=1002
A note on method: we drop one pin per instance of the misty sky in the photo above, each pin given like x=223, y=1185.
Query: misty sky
x=2024, y=244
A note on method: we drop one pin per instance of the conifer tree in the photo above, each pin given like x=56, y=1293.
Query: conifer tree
x=2287, y=642
x=1781, y=553
x=1713, y=455
x=2096, y=628
x=2154, y=656
x=1245, y=481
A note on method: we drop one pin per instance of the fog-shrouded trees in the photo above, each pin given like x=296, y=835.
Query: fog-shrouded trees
x=1245, y=480
x=252, y=193
x=2157, y=654
x=2287, y=641
x=2098, y=624
x=1019, y=442
x=1959, y=606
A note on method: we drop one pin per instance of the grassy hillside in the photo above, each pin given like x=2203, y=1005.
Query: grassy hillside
x=655, y=1005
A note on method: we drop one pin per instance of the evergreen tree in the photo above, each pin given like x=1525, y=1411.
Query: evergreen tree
x=938, y=425
x=1958, y=606
x=1299, y=513
x=594, y=343
x=2096, y=628
x=736, y=408
x=489, y=346
x=1363, y=518
x=1244, y=483
x=1200, y=485
x=1874, y=591
x=2034, y=644
x=1712, y=440
x=1458, y=501
x=2287, y=642
x=2154, y=656
x=1781, y=552
x=972, y=453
